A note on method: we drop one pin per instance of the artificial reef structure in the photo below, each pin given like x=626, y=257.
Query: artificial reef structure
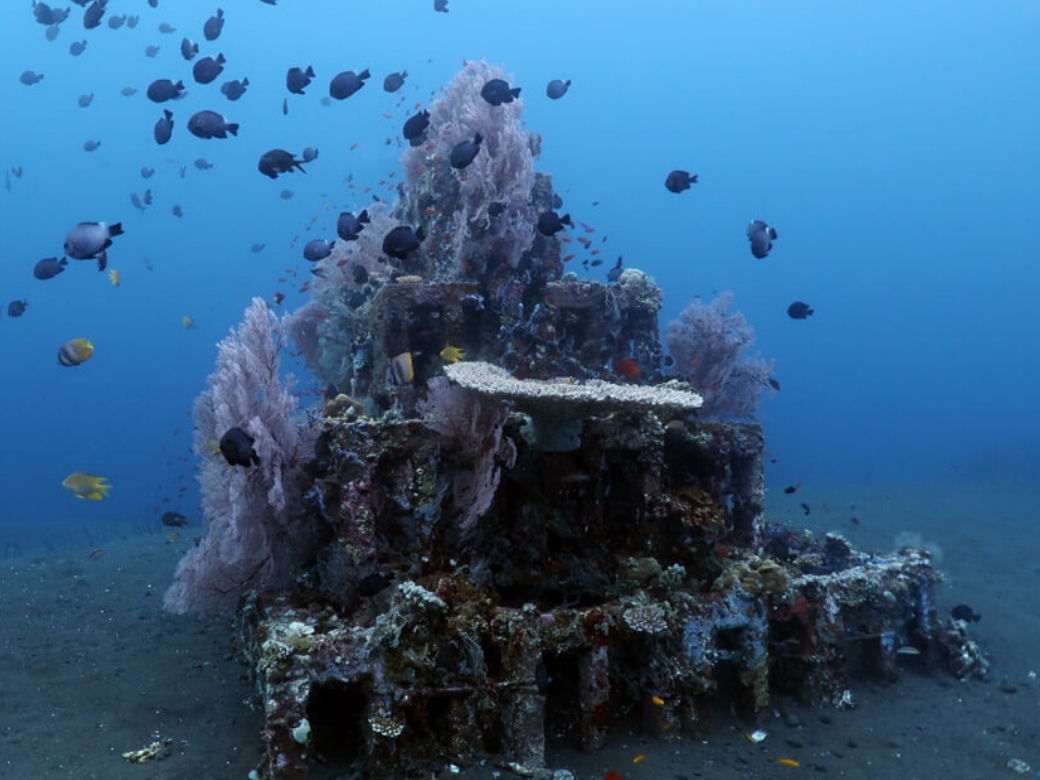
x=518, y=525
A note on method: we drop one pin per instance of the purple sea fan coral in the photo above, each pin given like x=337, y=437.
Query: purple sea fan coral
x=710, y=347
x=476, y=424
x=252, y=540
x=493, y=209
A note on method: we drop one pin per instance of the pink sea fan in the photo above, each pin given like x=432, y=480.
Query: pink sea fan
x=252, y=538
x=501, y=177
x=710, y=351
x=476, y=424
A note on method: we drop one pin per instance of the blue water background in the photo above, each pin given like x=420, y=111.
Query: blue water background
x=893, y=145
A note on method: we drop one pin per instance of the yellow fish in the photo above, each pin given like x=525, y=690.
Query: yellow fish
x=75, y=351
x=114, y=277
x=172, y=537
x=188, y=322
x=83, y=485
x=452, y=354
x=788, y=762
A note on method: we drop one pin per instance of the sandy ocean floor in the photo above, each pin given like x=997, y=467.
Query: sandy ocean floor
x=91, y=667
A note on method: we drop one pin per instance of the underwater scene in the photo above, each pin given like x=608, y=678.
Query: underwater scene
x=571, y=391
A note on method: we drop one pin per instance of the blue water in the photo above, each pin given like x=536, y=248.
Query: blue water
x=892, y=146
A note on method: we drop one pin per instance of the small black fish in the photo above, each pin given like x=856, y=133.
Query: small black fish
x=115, y=22
x=615, y=273
x=360, y=274
x=208, y=68
x=49, y=267
x=348, y=227
x=278, y=161
x=286, y=194
x=550, y=223
x=76, y=48
x=237, y=448
x=257, y=248
x=211, y=29
x=89, y=240
x=48, y=16
x=189, y=49
x=210, y=124
x=441, y=6
x=401, y=241
x=90, y=146
x=965, y=613
x=415, y=128
x=162, y=131
x=167, y=28
x=203, y=164
x=761, y=237
x=496, y=92
x=233, y=90
x=161, y=90
x=317, y=249
x=556, y=89
x=92, y=17
x=309, y=154
x=345, y=84
x=395, y=81
x=174, y=520
x=30, y=77
x=147, y=173
x=774, y=384
x=17, y=308
x=465, y=152
x=791, y=489
x=297, y=79
x=151, y=51
x=799, y=310
x=85, y=100
x=135, y=199
x=679, y=181
x=805, y=507
x=177, y=210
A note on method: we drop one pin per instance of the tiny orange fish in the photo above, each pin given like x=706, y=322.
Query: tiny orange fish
x=613, y=774
x=787, y=762
x=568, y=258
x=639, y=759
x=657, y=700
x=627, y=367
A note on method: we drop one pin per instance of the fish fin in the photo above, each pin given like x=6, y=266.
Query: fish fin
x=232, y=128
x=102, y=260
x=515, y=92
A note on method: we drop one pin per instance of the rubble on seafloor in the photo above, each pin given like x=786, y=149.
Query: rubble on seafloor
x=525, y=544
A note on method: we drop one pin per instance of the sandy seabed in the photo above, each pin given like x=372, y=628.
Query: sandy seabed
x=92, y=667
